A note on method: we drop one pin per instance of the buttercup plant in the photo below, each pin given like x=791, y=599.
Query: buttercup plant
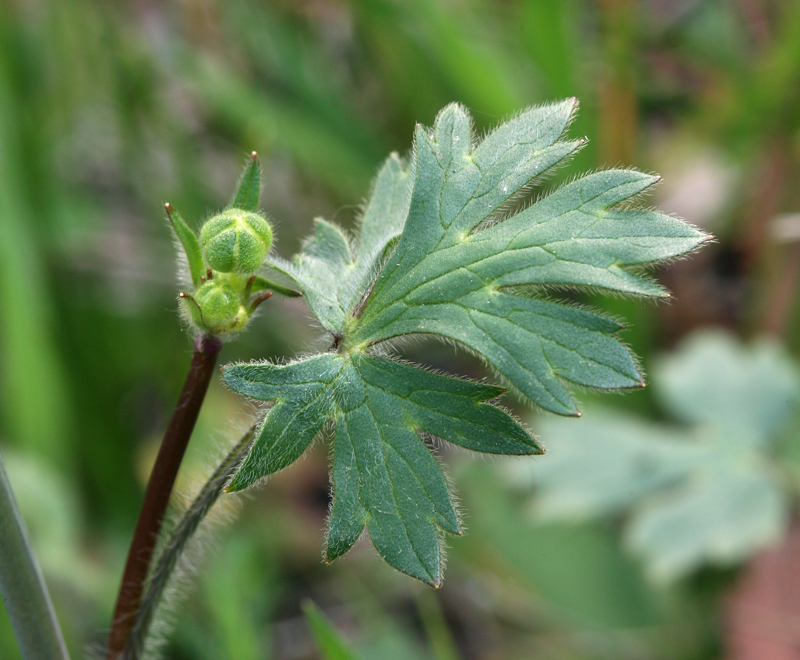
x=226, y=293
x=439, y=252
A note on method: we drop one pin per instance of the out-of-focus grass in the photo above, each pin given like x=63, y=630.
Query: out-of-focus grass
x=109, y=110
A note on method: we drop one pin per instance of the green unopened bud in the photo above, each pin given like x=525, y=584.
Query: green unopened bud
x=216, y=308
x=236, y=241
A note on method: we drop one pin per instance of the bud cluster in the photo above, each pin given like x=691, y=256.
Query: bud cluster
x=232, y=246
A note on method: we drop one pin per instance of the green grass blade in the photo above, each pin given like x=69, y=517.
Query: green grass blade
x=442, y=644
x=24, y=591
x=330, y=643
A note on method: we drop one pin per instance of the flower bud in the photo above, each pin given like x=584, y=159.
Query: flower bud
x=236, y=241
x=216, y=308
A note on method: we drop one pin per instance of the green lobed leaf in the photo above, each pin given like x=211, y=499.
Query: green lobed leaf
x=447, y=278
x=332, y=279
x=435, y=255
x=303, y=395
x=248, y=192
x=459, y=273
x=384, y=476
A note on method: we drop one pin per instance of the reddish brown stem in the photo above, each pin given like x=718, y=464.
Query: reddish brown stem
x=159, y=489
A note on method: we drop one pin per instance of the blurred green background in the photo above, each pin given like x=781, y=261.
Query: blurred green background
x=108, y=110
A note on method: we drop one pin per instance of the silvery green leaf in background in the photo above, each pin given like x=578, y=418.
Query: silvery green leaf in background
x=707, y=494
x=604, y=464
x=436, y=255
x=720, y=515
x=713, y=378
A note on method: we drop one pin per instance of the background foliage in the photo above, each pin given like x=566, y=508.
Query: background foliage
x=109, y=110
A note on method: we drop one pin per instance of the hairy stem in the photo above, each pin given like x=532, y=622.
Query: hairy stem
x=175, y=547
x=159, y=489
x=23, y=588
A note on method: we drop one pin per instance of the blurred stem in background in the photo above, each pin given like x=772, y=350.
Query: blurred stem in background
x=617, y=97
x=36, y=406
x=22, y=585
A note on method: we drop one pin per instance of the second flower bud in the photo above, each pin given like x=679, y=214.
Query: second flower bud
x=236, y=241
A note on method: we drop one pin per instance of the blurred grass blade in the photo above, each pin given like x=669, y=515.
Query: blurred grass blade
x=24, y=591
x=316, y=145
x=442, y=645
x=35, y=405
x=249, y=190
x=191, y=246
x=442, y=46
x=550, y=43
x=330, y=643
